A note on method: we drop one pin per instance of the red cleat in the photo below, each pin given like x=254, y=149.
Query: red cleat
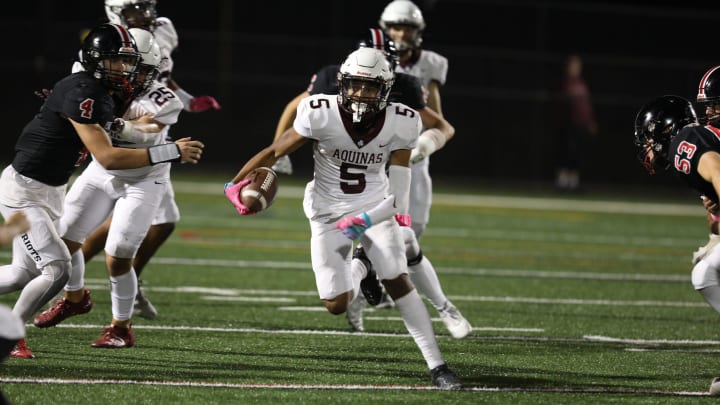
x=115, y=337
x=62, y=310
x=21, y=351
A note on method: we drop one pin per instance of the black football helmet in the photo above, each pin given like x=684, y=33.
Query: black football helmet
x=103, y=45
x=377, y=39
x=656, y=124
x=709, y=93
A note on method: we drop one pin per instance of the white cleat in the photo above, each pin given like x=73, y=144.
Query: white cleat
x=715, y=387
x=355, y=314
x=283, y=165
x=704, y=250
x=143, y=307
x=455, y=323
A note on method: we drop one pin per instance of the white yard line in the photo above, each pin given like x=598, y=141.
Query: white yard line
x=354, y=387
x=495, y=201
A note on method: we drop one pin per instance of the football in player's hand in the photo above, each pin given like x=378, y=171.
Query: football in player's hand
x=260, y=193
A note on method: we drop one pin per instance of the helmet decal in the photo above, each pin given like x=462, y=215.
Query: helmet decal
x=704, y=82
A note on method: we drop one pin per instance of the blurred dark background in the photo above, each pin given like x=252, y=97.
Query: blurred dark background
x=505, y=57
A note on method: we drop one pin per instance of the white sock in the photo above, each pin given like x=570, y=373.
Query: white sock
x=426, y=281
x=712, y=296
x=122, y=294
x=76, y=282
x=417, y=321
x=358, y=271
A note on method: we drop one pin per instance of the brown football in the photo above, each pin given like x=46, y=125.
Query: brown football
x=260, y=193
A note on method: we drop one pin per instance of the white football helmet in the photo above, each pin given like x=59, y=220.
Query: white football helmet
x=132, y=13
x=365, y=79
x=404, y=12
x=150, y=59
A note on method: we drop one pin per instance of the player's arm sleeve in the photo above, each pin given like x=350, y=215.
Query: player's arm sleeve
x=87, y=106
x=301, y=124
x=440, y=69
x=169, y=113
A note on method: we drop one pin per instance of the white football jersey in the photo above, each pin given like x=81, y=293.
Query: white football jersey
x=164, y=106
x=349, y=172
x=430, y=66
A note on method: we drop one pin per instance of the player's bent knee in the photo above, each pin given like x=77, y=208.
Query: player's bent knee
x=339, y=304
x=412, y=247
x=398, y=287
x=58, y=271
x=704, y=275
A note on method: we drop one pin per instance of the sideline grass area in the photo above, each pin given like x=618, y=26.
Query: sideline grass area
x=582, y=305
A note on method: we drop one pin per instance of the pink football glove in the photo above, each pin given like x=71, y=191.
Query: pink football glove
x=203, y=103
x=403, y=219
x=232, y=192
x=354, y=227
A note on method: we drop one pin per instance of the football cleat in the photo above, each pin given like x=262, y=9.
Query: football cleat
x=444, y=379
x=143, y=307
x=455, y=323
x=355, y=314
x=703, y=251
x=62, y=310
x=115, y=337
x=21, y=351
x=715, y=387
x=370, y=285
x=283, y=165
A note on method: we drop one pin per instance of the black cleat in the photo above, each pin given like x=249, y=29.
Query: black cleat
x=370, y=285
x=444, y=379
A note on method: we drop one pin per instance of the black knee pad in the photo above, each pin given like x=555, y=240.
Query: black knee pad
x=416, y=260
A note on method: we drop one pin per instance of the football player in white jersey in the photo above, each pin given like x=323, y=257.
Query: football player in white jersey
x=132, y=196
x=355, y=135
x=73, y=122
x=407, y=90
x=143, y=14
x=403, y=21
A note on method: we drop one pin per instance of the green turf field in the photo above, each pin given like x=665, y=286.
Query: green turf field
x=571, y=300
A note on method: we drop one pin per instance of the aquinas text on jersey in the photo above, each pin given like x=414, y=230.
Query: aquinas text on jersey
x=357, y=157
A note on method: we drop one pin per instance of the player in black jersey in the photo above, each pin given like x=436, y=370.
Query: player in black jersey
x=72, y=123
x=669, y=136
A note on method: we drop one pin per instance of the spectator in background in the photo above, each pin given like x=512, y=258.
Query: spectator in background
x=576, y=124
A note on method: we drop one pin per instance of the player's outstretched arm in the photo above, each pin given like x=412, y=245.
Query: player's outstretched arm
x=16, y=224
x=438, y=131
x=97, y=141
x=286, y=144
x=193, y=103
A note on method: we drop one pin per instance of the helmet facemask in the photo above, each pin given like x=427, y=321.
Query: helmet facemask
x=150, y=60
x=110, y=55
x=406, y=37
x=365, y=79
x=132, y=13
x=362, y=96
x=654, y=148
x=708, y=96
x=403, y=15
x=657, y=123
